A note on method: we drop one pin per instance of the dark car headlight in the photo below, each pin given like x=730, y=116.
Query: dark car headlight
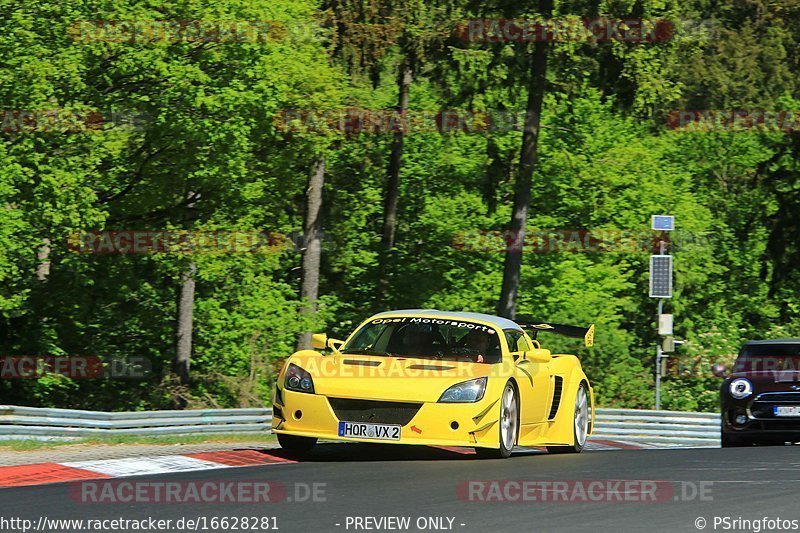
x=298, y=380
x=466, y=392
x=740, y=388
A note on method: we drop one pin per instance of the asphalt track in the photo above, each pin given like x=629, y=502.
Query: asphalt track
x=364, y=480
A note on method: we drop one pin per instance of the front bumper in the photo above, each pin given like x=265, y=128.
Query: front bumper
x=760, y=418
x=763, y=427
x=433, y=424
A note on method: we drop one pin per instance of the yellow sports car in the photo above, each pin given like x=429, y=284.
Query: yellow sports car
x=437, y=378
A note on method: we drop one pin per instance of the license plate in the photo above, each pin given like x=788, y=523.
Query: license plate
x=787, y=410
x=369, y=431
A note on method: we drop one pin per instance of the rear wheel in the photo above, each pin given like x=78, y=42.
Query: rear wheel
x=580, y=426
x=295, y=444
x=509, y=422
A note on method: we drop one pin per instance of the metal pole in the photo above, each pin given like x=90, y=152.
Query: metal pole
x=658, y=357
x=658, y=344
x=659, y=352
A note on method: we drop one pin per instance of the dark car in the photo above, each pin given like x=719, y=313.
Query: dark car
x=761, y=397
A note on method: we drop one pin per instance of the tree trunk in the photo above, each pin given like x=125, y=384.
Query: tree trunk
x=312, y=246
x=396, y=158
x=507, y=305
x=43, y=257
x=183, y=353
x=405, y=75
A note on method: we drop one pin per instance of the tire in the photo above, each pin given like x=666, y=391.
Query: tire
x=509, y=426
x=580, y=425
x=732, y=441
x=295, y=444
x=740, y=441
x=772, y=441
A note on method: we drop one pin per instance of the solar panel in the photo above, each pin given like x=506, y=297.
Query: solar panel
x=661, y=276
x=663, y=222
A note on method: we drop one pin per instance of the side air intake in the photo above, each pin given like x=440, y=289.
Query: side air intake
x=557, y=387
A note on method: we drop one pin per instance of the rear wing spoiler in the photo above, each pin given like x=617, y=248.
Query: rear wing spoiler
x=576, y=332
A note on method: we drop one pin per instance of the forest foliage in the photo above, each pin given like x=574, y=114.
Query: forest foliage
x=194, y=137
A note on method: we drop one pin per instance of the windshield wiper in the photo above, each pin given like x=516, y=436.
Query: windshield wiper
x=366, y=351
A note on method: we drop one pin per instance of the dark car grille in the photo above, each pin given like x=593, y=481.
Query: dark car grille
x=776, y=397
x=377, y=412
x=762, y=406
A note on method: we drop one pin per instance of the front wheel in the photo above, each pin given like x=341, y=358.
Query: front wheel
x=580, y=426
x=509, y=420
x=733, y=441
x=295, y=444
x=772, y=441
x=739, y=441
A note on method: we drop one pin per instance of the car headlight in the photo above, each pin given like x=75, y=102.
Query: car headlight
x=466, y=392
x=298, y=380
x=740, y=388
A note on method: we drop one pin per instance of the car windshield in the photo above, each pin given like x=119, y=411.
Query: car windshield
x=446, y=339
x=769, y=358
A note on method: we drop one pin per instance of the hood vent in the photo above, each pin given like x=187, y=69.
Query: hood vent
x=430, y=367
x=361, y=363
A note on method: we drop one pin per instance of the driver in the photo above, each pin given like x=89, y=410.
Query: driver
x=478, y=343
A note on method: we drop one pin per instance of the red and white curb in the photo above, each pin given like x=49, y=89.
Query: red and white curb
x=42, y=473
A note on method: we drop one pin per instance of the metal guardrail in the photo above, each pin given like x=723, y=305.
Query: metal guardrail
x=669, y=428
x=678, y=428
x=40, y=423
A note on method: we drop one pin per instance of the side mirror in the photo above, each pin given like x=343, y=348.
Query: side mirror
x=719, y=370
x=320, y=341
x=538, y=355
